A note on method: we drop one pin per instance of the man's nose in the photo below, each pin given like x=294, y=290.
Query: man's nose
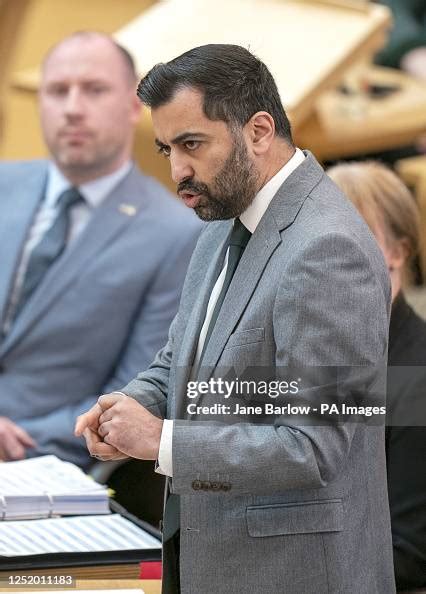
x=180, y=168
x=74, y=102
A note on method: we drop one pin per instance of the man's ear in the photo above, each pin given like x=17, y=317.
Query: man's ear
x=260, y=132
x=398, y=254
x=136, y=108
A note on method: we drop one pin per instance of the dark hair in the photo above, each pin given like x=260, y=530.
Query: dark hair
x=234, y=82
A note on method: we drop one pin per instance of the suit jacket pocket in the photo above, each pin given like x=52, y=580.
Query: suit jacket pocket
x=305, y=517
x=246, y=337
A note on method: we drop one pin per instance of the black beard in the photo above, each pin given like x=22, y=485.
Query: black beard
x=232, y=190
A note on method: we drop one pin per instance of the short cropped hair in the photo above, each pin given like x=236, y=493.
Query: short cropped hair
x=126, y=57
x=235, y=85
x=385, y=203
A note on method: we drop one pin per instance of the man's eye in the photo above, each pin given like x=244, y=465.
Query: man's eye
x=191, y=145
x=58, y=91
x=96, y=90
x=164, y=150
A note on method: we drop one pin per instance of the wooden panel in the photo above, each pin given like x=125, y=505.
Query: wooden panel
x=344, y=126
x=306, y=45
x=353, y=4
x=148, y=586
x=11, y=17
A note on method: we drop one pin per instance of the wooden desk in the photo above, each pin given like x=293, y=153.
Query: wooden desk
x=343, y=126
x=148, y=586
x=90, y=572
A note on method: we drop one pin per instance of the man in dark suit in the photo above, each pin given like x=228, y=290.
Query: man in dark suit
x=294, y=288
x=94, y=254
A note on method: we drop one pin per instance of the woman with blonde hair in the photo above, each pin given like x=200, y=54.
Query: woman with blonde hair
x=391, y=213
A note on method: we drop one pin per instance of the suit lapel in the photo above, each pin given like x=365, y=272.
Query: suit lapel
x=19, y=203
x=250, y=268
x=202, y=289
x=111, y=219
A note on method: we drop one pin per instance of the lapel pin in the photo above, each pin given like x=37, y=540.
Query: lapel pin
x=127, y=209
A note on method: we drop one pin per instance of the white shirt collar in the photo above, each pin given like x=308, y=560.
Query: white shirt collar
x=252, y=215
x=94, y=192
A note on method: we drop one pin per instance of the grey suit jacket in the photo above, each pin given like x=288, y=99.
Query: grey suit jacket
x=280, y=504
x=101, y=312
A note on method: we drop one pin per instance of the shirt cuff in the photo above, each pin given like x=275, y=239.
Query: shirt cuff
x=165, y=455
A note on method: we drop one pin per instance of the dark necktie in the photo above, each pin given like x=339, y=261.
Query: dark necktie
x=238, y=240
x=50, y=247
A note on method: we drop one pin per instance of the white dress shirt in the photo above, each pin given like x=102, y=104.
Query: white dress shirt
x=93, y=192
x=250, y=219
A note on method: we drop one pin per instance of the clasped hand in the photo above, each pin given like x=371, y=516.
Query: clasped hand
x=118, y=427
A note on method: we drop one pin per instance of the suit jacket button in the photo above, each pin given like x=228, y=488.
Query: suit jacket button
x=206, y=485
x=196, y=485
x=226, y=486
x=216, y=486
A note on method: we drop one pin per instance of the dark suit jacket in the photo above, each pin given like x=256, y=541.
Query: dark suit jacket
x=406, y=445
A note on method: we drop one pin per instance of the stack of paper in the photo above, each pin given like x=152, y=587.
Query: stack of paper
x=47, y=486
x=73, y=535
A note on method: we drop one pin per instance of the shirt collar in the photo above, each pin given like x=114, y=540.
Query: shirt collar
x=94, y=192
x=252, y=215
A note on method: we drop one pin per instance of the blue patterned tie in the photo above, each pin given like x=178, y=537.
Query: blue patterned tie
x=50, y=246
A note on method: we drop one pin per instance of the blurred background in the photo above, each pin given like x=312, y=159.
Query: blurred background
x=326, y=55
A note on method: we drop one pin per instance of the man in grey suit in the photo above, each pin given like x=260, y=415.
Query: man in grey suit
x=94, y=254
x=295, y=288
